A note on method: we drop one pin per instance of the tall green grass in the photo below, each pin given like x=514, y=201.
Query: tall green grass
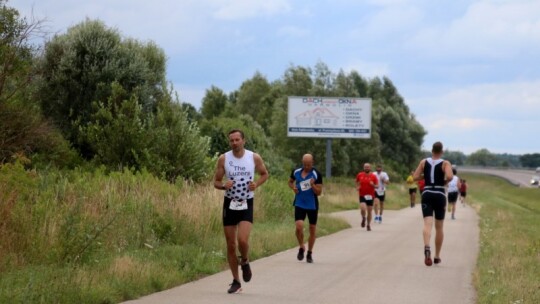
x=91, y=237
x=508, y=269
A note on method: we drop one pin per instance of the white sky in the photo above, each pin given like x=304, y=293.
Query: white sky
x=469, y=70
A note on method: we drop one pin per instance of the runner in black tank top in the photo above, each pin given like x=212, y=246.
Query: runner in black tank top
x=435, y=172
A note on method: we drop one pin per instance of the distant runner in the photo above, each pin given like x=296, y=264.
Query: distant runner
x=453, y=193
x=306, y=182
x=380, y=193
x=412, y=189
x=366, y=182
x=436, y=172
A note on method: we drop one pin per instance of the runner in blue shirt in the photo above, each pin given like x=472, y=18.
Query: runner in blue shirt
x=306, y=182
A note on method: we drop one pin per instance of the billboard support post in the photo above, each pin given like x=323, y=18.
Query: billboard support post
x=328, y=157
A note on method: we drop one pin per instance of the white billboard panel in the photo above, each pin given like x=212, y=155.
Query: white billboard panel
x=329, y=117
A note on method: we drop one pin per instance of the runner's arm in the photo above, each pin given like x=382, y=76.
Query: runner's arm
x=418, y=173
x=260, y=168
x=220, y=173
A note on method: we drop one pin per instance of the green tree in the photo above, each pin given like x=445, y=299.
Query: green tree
x=530, y=160
x=79, y=67
x=23, y=130
x=179, y=148
x=455, y=157
x=297, y=81
x=482, y=158
x=117, y=132
x=123, y=135
x=254, y=100
x=192, y=114
x=323, y=80
x=213, y=103
x=397, y=127
x=16, y=50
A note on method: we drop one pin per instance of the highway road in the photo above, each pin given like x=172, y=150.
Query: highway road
x=521, y=178
x=385, y=265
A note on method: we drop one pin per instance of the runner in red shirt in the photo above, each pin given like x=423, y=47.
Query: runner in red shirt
x=463, y=191
x=421, y=185
x=366, y=182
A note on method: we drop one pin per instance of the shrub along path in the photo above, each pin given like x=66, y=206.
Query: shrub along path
x=385, y=265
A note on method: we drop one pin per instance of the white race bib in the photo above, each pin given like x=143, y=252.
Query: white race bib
x=238, y=204
x=380, y=192
x=368, y=197
x=305, y=185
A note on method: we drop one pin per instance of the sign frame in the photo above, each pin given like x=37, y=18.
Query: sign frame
x=329, y=117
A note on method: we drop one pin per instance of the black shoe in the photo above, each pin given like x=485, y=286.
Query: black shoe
x=300, y=255
x=436, y=260
x=363, y=222
x=309, y=259
x=235, y=287
x=246, y=271
x=427, y=256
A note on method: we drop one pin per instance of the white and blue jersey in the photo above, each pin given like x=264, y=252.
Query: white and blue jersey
x=306, y=197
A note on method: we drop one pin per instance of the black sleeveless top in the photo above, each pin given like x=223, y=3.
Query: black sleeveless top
x=434, y=175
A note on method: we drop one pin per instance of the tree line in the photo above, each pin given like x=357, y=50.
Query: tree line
x=92, y=97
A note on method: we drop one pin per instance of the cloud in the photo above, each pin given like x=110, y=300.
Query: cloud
x=387, y=23
x=487, y=29
x=293, y=32
x=498, y=116
x=367, y=69
x=242, y=9
x=176, y=26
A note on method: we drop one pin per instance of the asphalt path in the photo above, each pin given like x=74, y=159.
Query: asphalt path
x=521, y=178
x=385, y=265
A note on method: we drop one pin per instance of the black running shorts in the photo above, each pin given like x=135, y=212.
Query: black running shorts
x=233, y=217
x=368, y=202
x=452, y=197
x=412, y=190
x=301, y=213
x=380, y=197
x=434, y=203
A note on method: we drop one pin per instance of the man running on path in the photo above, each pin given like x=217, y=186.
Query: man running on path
x=453, y=193
x=306, y=182
x=412, y=189
x=366, y=182
x=239, y=166
x=380, y=193
x=436, y=172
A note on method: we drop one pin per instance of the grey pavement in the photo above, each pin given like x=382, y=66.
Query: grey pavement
x=385, y=265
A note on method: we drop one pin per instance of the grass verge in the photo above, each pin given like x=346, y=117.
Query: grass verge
x=508, y=266
x=92, y=237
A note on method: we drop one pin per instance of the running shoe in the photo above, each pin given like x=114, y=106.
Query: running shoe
x=300, y=255
x=246, y=271
x=368, y=228
x=427, y=257
x=363, y=222
x=236, y=287
x=380, y=219
x=309, y=258
x=436, y=260
x=453, y=217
